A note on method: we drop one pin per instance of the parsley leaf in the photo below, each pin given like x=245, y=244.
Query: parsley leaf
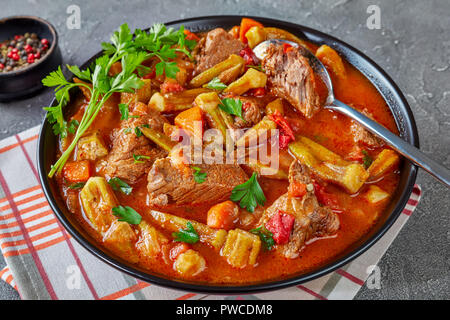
x=124, y=111
x=249, y=194
x=199, y=176
x=127, y=214
x=367, y=159
x=137, y=158
x=138, y=132
x=83, y=75
x=265, y=235
x=188, y=235
x=117, y=184
x=216, y=84
x=232, y=106
x=77, y=185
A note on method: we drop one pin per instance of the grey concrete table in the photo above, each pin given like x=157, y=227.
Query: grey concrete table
x=413, y=46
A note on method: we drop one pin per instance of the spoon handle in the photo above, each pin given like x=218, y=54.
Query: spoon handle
x=412, y=153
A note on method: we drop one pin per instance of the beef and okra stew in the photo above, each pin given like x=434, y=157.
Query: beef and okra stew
x=235, y=220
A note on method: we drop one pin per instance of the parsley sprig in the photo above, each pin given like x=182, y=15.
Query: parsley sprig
x=199, y=176
x=265, y=235
x=216, y=84
x=131, y=49
x=118, y=185
x=232, y=106
x=188, y=235
x=127, y=214
x=249, y=194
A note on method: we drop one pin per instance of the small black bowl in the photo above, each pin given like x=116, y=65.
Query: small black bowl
x=23, y=82
x=383, y=83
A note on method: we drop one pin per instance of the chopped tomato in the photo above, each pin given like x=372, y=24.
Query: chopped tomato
x=178, y=249
x=257, y=92
x=281, y=225
x=286, y=133
x=249, y=56
x=246, y=24
x=77, y=171
x=190, y=35
x=222, y=215
x=235, y=32
x=169, y=86
x=287, y=47
x=297, y=189
x=325, y=198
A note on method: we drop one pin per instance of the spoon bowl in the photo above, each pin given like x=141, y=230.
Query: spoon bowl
x=410, y=152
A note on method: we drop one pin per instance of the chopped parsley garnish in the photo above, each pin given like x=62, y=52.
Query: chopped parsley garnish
x=131, y=50
x=265, y=235
x=77, y=185
x=138, y=158
x=127, y=130
x=216, y=84
x=188, y=235
x=367, y=160
x=118, y=185
x=199, y=176
x=259, y=67
x=124, y=111
x=138, y=132
x=232, y=106
x=249, y=194
x=127, y=214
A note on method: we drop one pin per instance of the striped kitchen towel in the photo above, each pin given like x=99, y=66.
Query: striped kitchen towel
x=44, y=262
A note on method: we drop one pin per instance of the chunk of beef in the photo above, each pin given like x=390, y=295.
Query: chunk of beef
x=291, y=77
x=216, y=46
x=252, y=112
x=361, y=135
x=312, y=220
x=125, y=143
x=173, y=183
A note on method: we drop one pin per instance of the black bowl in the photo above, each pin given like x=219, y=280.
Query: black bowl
x=23, y=82
x=391, y=93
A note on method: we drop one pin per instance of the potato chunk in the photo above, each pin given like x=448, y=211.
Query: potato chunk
x=376, y=194
x=330, y=58
x=150, y=241
x=120, y=239
x=255, y=35
x=241, y=248
x=250, y=80
x=98, y=199
x=189, y=263
x=91, y=147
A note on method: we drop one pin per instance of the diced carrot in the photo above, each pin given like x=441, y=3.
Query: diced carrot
x=222, y=215
x=190, y=35
x=235, y=32
x=280, y=225
x=246, y=24
x=77, y=171
x=297, y=189
x=191, y=120
x=178, y=249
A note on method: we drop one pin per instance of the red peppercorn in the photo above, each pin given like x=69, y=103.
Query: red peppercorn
x=2, y=66
x=15, y=57
x=28, y=48
x=37, y=55
x=10, y=54
x=17, y=37
x=30, y=58
x=44, y=41
x=15, y=50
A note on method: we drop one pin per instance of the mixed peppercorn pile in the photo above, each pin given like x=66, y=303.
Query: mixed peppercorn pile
x=21, y=51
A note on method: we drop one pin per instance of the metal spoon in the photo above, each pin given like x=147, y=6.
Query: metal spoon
x=410, y=152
